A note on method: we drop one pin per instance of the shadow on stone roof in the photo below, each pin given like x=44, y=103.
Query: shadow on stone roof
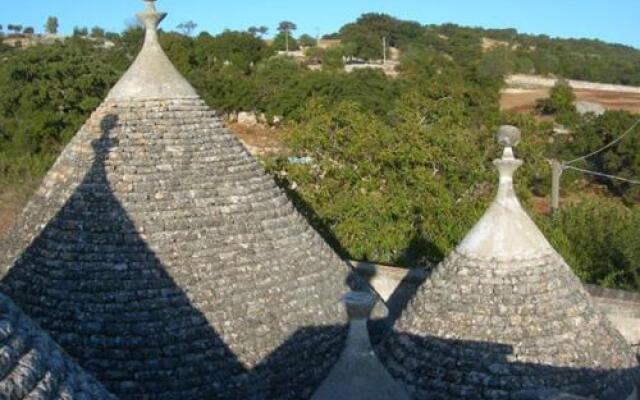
x=461, y=369
x=123, y=318
x=398, y=301
x=316, y=221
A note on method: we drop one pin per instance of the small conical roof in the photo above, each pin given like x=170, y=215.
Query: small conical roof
x=32, y=366
x=504, y=317
x=152, y=75
x=160, y=255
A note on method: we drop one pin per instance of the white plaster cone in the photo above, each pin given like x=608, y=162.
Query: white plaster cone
x=505, y=232
x=152, y=75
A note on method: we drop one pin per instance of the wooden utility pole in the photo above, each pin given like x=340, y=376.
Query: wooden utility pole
x=556, y=173
x=384, y=50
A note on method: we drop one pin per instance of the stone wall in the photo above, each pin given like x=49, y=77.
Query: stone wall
x=397, y=285
x=622, y=308
x=536, y=82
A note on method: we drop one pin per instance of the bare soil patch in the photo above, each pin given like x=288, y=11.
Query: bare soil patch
x=259, y=140
x=524, y=100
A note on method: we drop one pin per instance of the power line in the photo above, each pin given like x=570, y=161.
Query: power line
x=611, y=144
x=618, y=178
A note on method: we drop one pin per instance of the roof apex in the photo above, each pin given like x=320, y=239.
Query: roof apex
x=152, y=75
x=505, y=232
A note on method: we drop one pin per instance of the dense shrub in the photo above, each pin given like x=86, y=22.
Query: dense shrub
x=560, y=104
x=621, y=159
x=47, y=93
x=398, y=193
x=602, y=241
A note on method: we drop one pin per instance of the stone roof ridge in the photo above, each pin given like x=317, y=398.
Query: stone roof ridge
x=505, y=233
x=152, y=75
x=359, y=374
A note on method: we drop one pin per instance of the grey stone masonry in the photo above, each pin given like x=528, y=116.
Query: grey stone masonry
x=160, y=255
x=504, y=317
x=33, y=367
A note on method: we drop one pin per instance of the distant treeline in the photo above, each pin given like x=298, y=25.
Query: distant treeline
x=585, y=59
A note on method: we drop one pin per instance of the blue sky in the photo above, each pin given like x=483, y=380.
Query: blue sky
x=612, y=20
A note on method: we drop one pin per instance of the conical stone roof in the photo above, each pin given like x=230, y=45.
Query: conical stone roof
x=504, y=317
x=159, y=254
x=32, y=366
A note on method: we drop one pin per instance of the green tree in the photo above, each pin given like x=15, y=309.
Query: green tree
x=333, y=58
x=187, y=27
x=560, y=103
x=602, y=238
x=15, y=28
x=286, y=28
x=238, y=49
x=386, y=192
x=48, y=93
x=307, y=41
x=496, y=63
x=619, y=160
x=28, y=30
x=80, y=31
x=284, y=42
x=258, y=31
x=97, y=32
x=51, y=27
x=367, y=33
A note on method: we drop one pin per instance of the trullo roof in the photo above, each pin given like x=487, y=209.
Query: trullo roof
x=159, y=254
x=504, y=317
x=32, y=366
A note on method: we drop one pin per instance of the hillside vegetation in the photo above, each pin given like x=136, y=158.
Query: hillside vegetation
x=401, y=168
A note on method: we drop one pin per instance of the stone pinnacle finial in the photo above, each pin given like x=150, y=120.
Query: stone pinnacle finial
x=509, y=137
x=358, y=374
x=150, y=17
x=359, y=305
x=152, y=76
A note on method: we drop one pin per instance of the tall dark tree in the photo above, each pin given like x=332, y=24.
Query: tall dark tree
x=16, y=29
x=187, y=27
x=253, y=30
x=307, y=40
x=28, y=30
x=286, y=27
x=97, y=32
x=51, y=27
x=80, y=31
x=258, y=30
